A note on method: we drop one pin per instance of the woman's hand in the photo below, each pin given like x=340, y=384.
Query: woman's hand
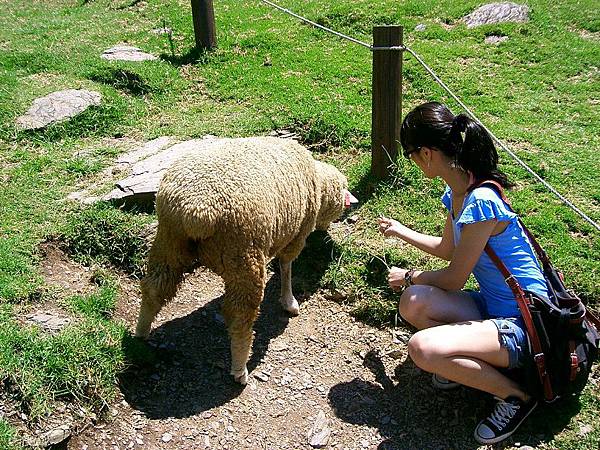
x=390, y=227
x=396, y=278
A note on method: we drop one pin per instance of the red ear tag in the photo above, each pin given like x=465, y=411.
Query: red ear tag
x=347, y=199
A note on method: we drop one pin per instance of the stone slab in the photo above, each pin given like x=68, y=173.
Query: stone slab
x=126, y=53
x=141, y=185
x=495, y=40
x=497, y=13
x=48, y=321
x=57, y=106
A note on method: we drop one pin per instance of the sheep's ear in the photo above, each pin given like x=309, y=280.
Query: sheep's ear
x=349, y=199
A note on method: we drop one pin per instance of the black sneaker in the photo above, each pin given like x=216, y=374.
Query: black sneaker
x=504, y=420
x=439, y=382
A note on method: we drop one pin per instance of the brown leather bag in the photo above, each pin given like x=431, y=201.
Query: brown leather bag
x=563, y=334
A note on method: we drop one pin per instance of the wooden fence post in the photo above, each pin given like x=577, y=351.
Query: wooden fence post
x=203, y=16
x=387, y=99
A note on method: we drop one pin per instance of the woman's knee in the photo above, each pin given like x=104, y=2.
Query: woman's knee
x=412, y=304
x=424, y=351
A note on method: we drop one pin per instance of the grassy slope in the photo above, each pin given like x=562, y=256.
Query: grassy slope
x=538, y=91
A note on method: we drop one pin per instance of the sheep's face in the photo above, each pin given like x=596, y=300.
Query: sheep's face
x=333, y=188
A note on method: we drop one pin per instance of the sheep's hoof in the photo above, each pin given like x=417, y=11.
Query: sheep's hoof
x=240, y=377
x=290, y=304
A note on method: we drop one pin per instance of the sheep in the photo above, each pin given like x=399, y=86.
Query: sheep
x=232, y=206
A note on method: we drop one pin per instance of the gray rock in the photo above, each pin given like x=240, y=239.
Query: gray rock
x=148, y=149
x=56, y=107
x=144, y=168
x=141, y=185
x=48, y=321
x=261, y=376
x=162, y=31
x=497, y=13
x=318, y=436
x=126, y=53
x=124, y=163
x=495, y=40
x=421, y=27
x=55, y=436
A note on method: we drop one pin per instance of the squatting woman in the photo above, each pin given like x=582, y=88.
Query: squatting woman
x=466, y=337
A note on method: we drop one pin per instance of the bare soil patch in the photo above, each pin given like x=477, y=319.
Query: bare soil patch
x=323, y=362
x=371, y=394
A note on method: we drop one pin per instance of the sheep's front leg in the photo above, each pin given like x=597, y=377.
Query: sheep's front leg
x=287, y=299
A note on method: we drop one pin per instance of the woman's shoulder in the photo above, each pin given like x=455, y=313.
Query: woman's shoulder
x=447, y=198
x=484, y=203
x=484, y=193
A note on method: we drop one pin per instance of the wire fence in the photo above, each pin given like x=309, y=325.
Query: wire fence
x=443, y=85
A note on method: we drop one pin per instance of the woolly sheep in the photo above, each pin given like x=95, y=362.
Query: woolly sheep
x=232, y=207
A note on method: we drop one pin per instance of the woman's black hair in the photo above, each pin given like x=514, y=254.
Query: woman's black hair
x=433, y=125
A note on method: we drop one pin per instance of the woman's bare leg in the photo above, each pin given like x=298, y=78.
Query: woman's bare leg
x=468, y=353
x=454, y=341
x=429, y=306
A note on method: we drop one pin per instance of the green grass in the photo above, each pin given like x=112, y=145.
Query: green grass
x=538, y=91
x=105, y=235
x=7, y=436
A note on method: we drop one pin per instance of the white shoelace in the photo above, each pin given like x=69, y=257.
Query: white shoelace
x=503, y=413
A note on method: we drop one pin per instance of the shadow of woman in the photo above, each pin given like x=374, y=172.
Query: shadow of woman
x=411, y=414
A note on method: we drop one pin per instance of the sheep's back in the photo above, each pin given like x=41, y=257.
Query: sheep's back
x=260, y=189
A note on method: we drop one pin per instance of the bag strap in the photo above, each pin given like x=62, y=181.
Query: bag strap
x=543, y=257
x=524, y=302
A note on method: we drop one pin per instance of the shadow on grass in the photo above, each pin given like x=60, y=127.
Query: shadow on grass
x=410, y=413
x=193, y=56
x=124, y=80
x=187, y=372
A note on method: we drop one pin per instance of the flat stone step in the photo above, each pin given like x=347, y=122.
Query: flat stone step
x=497, y=13
x=56, y=107
x=126, y=53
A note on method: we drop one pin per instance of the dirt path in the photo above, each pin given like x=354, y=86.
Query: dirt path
x=322, y=361
x=321, y=367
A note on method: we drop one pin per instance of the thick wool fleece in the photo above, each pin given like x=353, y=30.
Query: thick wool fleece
x=231, y=207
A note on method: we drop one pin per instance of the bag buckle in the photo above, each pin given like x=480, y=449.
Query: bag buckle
x=511, y=281
x=540, y=362
x=574, y=366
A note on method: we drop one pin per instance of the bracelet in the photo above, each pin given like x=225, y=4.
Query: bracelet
x=408, y=281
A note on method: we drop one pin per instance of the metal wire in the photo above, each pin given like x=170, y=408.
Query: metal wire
x=449, y=91
x=316, y=25
x=500, y=143
x=329, y=30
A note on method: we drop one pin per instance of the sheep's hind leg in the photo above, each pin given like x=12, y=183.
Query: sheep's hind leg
x=287, y=299
x=168, y=259
x=243, y=294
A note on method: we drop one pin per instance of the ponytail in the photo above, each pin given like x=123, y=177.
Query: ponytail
x=475, y=152
x=459, y=137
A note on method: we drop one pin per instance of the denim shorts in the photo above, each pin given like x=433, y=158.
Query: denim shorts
x=511, y=333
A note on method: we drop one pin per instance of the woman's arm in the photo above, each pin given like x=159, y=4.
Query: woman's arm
x=473, y=239
x=441, y=247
